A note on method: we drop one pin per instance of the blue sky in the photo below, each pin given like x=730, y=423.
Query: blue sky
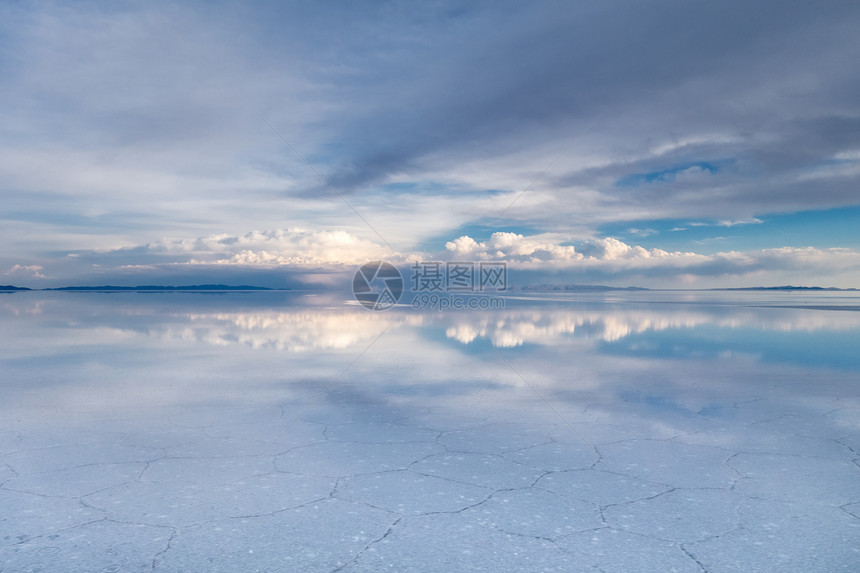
x=659, y=144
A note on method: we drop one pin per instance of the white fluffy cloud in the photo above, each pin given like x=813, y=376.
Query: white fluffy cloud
x=514, y=247
x=276, y=247
x=511, y=247
x=322, y=256
x=29, y=271
x=610, y=258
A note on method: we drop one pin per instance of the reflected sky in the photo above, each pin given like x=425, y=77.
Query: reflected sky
x=186, y=346
x=698, y=404
x=813, y=330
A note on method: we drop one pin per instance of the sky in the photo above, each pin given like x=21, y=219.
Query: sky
x=667, y=144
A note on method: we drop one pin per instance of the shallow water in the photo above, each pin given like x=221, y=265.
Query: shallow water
x=277, y=431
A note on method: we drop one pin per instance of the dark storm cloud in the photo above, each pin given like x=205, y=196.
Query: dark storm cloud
x=777, y=76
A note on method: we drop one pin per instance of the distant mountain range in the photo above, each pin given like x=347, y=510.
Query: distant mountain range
x=789, y=287
x=144, y=288
x=601, y=288
x=575, y=288
x=530, y=288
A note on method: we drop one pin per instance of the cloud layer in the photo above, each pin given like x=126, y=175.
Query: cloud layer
x=123, y=124
x=330, y=257
x=611, y=259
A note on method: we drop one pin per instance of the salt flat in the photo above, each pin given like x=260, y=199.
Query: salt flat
x=646, y=431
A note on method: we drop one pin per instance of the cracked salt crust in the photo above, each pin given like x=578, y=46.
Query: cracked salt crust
x=734, y=474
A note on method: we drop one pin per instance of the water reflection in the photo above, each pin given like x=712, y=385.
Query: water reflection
x=290, y=331
x=299, y=328
x=660, y=330
x=268, y=414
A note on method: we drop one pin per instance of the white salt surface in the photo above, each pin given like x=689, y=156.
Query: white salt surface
x=137, y=435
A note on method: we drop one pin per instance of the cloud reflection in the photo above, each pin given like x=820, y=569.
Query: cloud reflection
x=556, y=327
x=309, y=329
x=304, y=329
